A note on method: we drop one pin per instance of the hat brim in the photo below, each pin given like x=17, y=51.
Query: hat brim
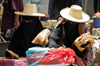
x=65, y=13
x=34, y=14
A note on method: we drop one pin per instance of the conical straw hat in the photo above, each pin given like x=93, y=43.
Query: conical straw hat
x=30, y=10
x=74, y=14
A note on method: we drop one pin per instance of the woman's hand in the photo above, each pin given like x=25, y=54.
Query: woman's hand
x=16, y=24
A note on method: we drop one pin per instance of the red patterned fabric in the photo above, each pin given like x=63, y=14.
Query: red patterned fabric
x=12, y=62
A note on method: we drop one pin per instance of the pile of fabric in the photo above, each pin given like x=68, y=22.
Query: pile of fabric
x=12, y=62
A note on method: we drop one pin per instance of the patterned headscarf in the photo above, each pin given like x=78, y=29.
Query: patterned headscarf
x=82, y=26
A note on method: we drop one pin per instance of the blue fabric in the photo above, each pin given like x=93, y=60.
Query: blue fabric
x=34, y=50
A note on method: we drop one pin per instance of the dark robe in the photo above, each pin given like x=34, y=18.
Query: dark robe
x=23, y=36
x=8, y=18
x=55, y=7
x=71, y=33
x=96, y=6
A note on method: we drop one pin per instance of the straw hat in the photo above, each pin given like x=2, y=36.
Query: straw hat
x=74, y=14
x=30, y=10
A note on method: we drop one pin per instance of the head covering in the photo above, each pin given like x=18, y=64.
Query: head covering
x=75, y=14
x=30, y=10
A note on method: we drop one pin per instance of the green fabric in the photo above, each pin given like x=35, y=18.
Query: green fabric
x=34, y=2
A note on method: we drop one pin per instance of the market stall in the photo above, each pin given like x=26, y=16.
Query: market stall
x=85, y=50
x=23, y=61
x=43, y=56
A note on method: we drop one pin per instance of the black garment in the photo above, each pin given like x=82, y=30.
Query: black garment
x=23, y=36
x=96, y=6
x=71, y=33
x=56, y=5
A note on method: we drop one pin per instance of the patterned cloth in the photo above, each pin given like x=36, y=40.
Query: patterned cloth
x=90, y=56
x=82, y=26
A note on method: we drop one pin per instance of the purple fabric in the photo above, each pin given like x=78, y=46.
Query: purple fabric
x=8, y=17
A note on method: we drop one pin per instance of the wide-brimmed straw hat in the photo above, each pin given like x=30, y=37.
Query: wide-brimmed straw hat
x=74, y=14
x=30, y=10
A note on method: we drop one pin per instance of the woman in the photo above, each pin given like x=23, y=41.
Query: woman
x=9, y=19
x=70, y=27
x=27, y=31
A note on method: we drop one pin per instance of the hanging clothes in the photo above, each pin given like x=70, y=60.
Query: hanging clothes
x=96, y=6
x=87, y=6
x=56, y=5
